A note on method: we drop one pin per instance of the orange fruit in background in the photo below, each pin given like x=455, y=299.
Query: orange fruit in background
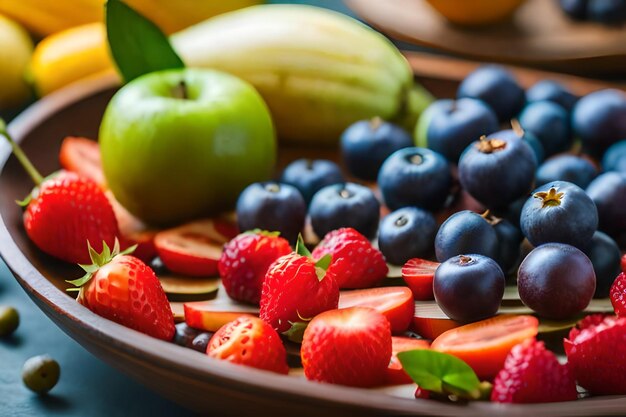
x=475, y=12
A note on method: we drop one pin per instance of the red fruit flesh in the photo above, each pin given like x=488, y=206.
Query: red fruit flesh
x=429, y=321
x=251, y=342
x=532, y=374
x=596, y=353
x=67, y=212
x=350, y=346
x=395, y=374
x=395, y=303
x=128, y=292
x=82, y=156
x=418, y=275
x=623, y=263
x=213, y=314
x=193, y=249
x=618, y=295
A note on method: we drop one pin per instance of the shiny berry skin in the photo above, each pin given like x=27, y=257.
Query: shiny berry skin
x=449, y=126
x=570, y=168
x=272, y=206
x=509, y=242
x=355, y=262
x=599, y=119
x=293, y=292
x=495, y=86
x=345, y=205
x=469, y=288
x=533, y=374
x=185, y=334
x=550, y=90
x=350, y=346
x=559, y=211
x=605, y=256
x=367, y=143
x=596, y=353
x=497, y=170
x=550, y=123
x=407, y=233
x=251, y=342
x=618, y=294
x=556, y=280
x=608, y=192
x=576, y=9
x=466, y=232
x=245, y=261
x=311, y=175
x=614, y=159
x=610, y=12
x=415, y=177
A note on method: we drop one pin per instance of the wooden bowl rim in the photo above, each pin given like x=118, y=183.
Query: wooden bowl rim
x=171, y=356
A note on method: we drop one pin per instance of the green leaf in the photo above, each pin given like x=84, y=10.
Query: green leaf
x=296, y=331
x=301, y=248
x=441, y=373
x=137, y=45
x=324, y=262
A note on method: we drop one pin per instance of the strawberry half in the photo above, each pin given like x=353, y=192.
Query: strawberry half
x=249, y=341
x=618, y=294
x=122, y=288
x=419, y=275
x=295, y=290
x=356, y=263
x=596, y=353
x=351, y=346
x=533, y=374
x=82, y=156
x=246, y=259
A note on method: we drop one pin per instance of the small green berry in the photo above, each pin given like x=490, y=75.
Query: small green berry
x=9, y=320
x=41, y=373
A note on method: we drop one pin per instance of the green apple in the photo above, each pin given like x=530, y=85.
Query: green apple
x=180, y=144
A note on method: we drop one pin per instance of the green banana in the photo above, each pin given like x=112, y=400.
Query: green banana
x=318, y=70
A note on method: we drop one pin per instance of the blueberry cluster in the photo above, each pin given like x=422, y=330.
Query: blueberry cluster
x=610, y=12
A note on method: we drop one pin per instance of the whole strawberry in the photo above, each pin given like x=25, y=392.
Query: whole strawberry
x=596, y=353
x=249, y=341
x=618, y=295
x=246, y=259
x=350, y=346
x=295, y=290
x=355, y=262
x=533, y=374
x=122, y=288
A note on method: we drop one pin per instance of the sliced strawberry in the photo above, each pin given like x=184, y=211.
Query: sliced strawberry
x=193, y=249
x=395, y=303
x=213, y=314
x=418, y=275
x=484, y=345
x=395, y=374
x=251, y=342
x=618, y=294
x=82, y=156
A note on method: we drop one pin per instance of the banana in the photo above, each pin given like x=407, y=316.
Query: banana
x=318, y=70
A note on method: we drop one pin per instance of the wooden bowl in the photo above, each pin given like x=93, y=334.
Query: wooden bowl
x=185, y=376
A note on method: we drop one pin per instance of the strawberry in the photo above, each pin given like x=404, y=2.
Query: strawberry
x=295, y=290
x=122, y=288
x=623, y=263
x=82, y=156
x=421, y=394
x=419, y=275
x=533, y=374
x=596, y=352
x=351, y=346
x=246, y=259
x=356, y=263
x=618, y=294
x=249, y=341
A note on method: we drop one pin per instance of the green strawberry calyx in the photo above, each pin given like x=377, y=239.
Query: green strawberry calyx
x=98, y=261
x=321, y=265
x=296, y=332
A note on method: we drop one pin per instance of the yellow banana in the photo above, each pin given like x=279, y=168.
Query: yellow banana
x=16, y=48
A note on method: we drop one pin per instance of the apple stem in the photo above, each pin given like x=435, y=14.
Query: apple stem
x=20, y=155
x=180, y=91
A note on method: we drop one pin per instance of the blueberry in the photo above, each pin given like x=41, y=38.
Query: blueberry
x=535, y=144
x=614, y=158
x=345, y=205
x=612, y=12
x=415, y=177
x=407, y=233
x=272, y=206
x=571, y=168
x=605, y=257
x=469, y=287
x=513, y=211
x=495, y=86
x=311, y=175
x=550, y=123
x=556, y=280
x=448, y=126
x=465, y=232
x=576, y=9
x=366, y=144
x=498, y=169
x=559, y=211
x=608, y=192
x=184, y=334
x=599, y=119
x=509, y=241
x=549, y=90
x=201, y=341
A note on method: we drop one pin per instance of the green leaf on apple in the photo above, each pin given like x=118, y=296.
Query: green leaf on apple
x=137, y=45
x=441, y=373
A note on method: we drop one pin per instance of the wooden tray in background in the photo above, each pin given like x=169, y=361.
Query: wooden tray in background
x=538, y=34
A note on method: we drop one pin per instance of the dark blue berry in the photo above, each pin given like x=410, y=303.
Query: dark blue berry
x=407, y=233
x=311, y=175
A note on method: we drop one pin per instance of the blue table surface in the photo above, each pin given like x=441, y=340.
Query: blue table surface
x=88, y=387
